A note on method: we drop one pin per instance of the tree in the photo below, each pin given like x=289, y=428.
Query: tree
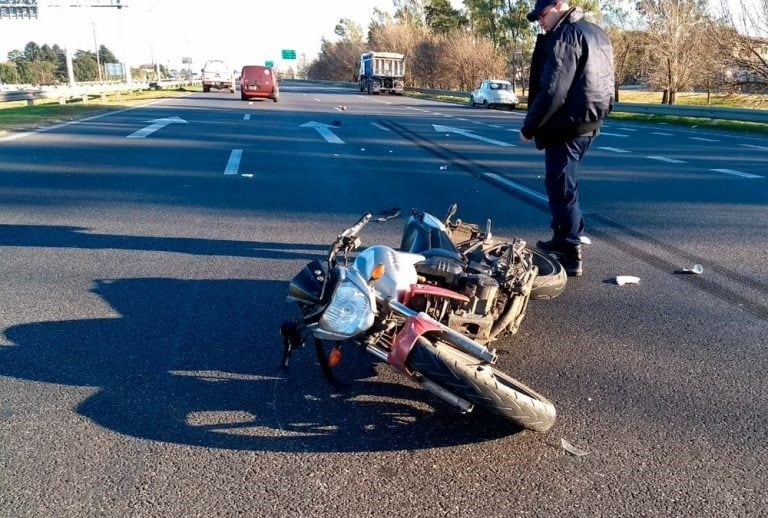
x=674, y=49
x=85, y=66
x=741, y=35
x=442, y=18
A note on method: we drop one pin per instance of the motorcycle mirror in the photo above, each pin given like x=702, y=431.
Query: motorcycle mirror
x=451, y=212
x=386, y=215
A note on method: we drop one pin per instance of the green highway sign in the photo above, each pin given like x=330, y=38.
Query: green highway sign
x=289, y=54
x=270, y=64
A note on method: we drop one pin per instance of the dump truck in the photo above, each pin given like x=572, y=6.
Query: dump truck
x=382, y=72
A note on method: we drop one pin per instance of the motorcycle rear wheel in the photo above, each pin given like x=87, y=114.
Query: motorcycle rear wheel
x=551, y=280
x=479, y=383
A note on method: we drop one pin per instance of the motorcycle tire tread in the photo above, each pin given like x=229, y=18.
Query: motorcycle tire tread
x=551, y=280
x=483, y=385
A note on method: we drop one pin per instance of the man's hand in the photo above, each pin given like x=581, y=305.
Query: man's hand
x=524, y=139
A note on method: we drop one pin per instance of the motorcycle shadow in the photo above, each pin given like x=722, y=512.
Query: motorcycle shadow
x=196, y=362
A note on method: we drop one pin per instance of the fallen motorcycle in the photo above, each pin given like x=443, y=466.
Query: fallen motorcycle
x=497, y=277
x=365, y=301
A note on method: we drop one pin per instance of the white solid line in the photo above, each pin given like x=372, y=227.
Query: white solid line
x=377, y=125
x=247, y=117
x=614, y=149
x=667, y=160
x=234, y=161
x=624, y=128
x=517, y=186
x=736, y=173
x=612, y=134
x=661, y=133
x=702, y=139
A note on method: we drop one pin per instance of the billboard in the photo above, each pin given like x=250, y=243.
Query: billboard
x=18, y=9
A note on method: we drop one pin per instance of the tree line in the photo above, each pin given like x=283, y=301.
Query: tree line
x=46, y=65
x=668, y=45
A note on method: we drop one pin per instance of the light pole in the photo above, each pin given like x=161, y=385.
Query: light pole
x=96, y=47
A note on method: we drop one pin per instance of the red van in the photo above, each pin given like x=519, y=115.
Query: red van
x=258, y=82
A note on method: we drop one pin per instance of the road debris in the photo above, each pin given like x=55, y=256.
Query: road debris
x=696, y=270
x=573, y=450
x=621, y=280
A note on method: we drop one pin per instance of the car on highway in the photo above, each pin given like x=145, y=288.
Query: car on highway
x=494, y=93
x=258, y=82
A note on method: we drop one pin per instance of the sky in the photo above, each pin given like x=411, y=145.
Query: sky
x=163, y=31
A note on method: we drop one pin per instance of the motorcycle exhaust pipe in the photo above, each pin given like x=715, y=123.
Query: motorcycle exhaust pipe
x=452, y=399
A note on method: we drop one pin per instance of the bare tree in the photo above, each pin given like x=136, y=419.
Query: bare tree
x=741, y=36
x=674, y=49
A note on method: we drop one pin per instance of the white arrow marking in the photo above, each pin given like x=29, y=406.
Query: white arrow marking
x=233, y=164
x=156, y=125
x=324, y=130
x=467, y=133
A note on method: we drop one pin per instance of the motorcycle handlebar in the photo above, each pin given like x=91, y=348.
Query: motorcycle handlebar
x=354, y=230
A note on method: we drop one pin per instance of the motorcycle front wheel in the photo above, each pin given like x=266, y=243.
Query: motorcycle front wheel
x=479, y=383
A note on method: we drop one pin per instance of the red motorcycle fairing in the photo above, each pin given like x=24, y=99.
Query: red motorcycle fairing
x=428, y=289
x=405, y=340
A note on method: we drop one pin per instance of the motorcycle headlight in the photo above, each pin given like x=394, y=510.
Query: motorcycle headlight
x=349, y=312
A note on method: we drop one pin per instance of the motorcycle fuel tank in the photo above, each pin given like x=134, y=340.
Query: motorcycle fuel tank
x=399, y=270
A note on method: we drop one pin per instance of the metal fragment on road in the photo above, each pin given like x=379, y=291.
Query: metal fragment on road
x=696, y=270
x=621, y=280
x=573, y=450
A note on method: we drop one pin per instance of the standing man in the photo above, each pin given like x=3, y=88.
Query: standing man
x=570, y=92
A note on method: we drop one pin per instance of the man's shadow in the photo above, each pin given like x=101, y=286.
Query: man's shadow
x=197, y=362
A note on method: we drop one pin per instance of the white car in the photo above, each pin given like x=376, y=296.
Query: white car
x=494, y=92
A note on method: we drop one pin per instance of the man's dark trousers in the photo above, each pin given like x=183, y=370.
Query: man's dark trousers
x=561, y=162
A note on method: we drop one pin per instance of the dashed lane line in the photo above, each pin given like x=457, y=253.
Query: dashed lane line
x=233, y=164
x=667, y=160
x=733, y=172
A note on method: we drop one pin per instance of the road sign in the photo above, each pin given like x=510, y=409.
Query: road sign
x=289, y=54
x=270, y=64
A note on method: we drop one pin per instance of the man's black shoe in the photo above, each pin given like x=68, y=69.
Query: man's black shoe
x=568, y=254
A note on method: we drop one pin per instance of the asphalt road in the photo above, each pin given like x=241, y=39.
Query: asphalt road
x=144, y=261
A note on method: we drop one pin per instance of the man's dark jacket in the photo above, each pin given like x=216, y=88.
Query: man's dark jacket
x=571, y=82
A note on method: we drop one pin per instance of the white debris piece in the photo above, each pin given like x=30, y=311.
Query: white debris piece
x=621, y=280
x=585, y=240
x=573, y=450
x=697, y=269
x=443, y=167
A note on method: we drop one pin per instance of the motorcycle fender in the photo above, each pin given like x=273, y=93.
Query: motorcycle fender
x=414, y=327
x=428, y=289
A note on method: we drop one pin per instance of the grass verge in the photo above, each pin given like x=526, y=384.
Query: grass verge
x=16, y=117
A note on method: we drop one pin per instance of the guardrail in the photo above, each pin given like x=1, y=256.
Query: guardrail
x=83, y=91
x=675, y=110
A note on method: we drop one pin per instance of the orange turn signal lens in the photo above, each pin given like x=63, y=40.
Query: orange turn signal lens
x=378, y=272
x=334, y=358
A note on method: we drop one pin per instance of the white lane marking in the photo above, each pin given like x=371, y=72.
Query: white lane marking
x=496, y=126
x=247, y=117
x=157, y=124
x=517, y=186
x=702, y=139
x=467, y=133
x=234, y=161
x=752, y=146
x=377, y=125
x=736, y=173
x=667, y=160
x=661, y=133
x=624, y=128
x=324, y=130
x=614, y=149
x=612, y=134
